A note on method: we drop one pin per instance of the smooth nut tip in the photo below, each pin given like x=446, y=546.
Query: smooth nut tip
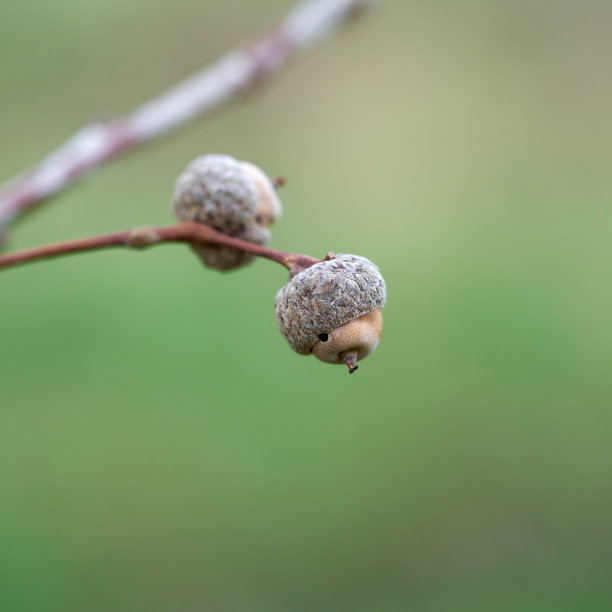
x=350, y=342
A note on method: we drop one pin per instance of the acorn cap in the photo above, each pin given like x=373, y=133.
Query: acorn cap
x=225, y=258
x=216, y=190
x=326, y=296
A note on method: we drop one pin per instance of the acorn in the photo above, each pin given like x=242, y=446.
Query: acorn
x=233, y=197
x=333, y=309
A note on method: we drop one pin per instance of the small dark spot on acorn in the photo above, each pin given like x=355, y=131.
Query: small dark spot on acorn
x=323, y=337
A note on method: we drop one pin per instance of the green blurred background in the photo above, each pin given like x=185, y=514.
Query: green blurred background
x=162, y=448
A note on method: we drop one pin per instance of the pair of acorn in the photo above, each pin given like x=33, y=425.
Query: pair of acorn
x=331, y=309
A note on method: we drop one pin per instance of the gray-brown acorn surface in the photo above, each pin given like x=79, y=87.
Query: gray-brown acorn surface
x=333, y=309
x=233, y=197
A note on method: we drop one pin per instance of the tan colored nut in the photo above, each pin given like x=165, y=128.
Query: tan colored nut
x=269, y=206
x=358, y=337
x=333, y=310
x=234, y=197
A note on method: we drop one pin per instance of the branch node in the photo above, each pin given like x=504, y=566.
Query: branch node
x=142, y=237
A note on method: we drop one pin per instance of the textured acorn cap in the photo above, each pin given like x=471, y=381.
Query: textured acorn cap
x=216, y=190
x=326, y=296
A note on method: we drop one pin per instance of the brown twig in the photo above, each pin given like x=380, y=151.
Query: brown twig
x=238, y=71
x=143, y=237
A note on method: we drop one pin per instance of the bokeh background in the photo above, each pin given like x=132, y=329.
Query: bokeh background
x=162, y=448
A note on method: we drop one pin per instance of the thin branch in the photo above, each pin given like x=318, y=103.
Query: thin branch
x=236, y=72
x=143, y=237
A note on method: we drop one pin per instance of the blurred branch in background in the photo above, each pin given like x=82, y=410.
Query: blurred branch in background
x=238, y=71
